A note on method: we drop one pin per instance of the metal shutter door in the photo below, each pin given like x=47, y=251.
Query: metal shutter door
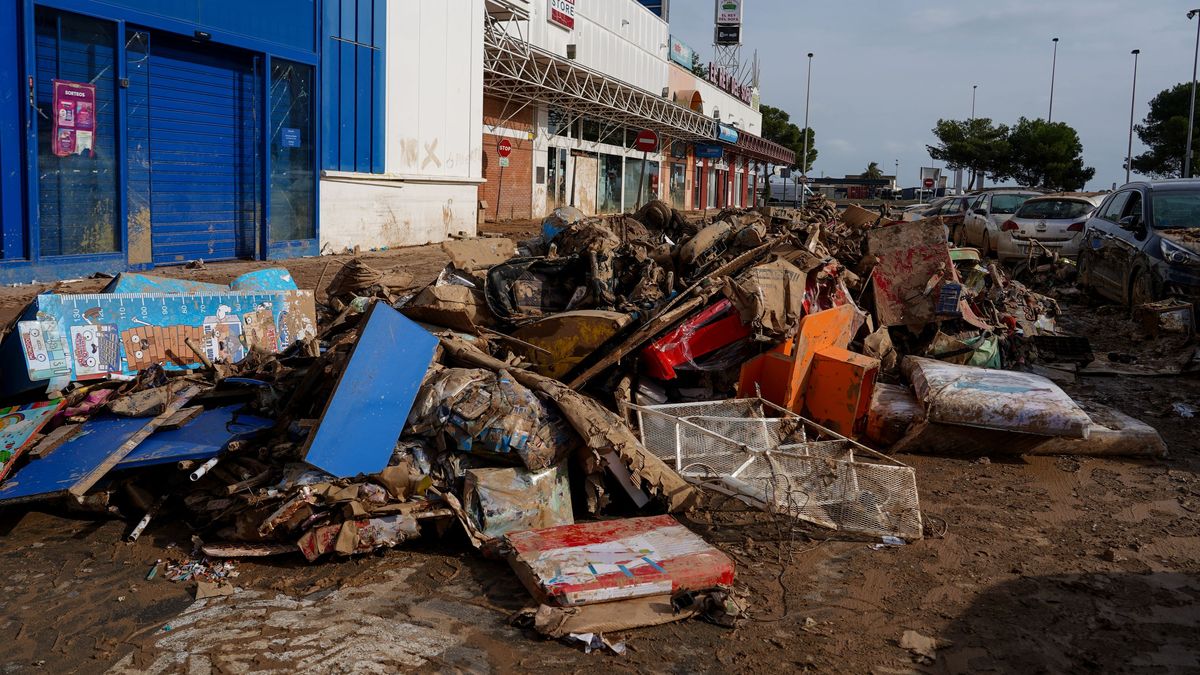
x=203, y=152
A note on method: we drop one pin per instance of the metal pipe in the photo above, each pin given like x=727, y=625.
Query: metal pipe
x=1053, y=67
x=807, y=92
x=203, y=469
x=1187, y=158
x=1132, y=101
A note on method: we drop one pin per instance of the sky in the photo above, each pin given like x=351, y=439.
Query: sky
x=884, y=71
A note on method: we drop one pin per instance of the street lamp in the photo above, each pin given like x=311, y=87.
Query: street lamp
x=807, y=91
x=971, y=182
x=1053, y=67
x=1187, y=158
x=1132, y=101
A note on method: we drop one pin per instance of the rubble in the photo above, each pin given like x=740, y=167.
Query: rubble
x=551, y=400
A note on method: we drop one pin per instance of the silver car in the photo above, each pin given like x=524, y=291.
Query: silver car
x=981, y=227
x=1056, y=222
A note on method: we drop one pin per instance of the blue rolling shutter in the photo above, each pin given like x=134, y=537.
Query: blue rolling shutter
x=203, y=152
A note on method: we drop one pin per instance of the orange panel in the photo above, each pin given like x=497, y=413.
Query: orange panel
x=839, y=389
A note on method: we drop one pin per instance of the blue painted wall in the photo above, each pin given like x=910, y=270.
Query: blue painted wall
x=286, y=22
x=352, y=93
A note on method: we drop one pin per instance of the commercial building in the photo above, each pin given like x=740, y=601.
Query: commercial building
x=136, y=133
x=568, y=87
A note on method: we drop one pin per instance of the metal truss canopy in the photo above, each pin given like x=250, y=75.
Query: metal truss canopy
x=516, y=70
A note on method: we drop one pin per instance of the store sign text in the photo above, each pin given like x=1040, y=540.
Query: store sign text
x=725, y=80
x=562, y=13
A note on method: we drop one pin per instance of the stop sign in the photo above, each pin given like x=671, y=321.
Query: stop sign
x=647, y=141
x=928, y=182
x=504, y=147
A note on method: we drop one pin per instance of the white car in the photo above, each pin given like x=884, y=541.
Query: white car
x=1056, y=222
x=981, y=227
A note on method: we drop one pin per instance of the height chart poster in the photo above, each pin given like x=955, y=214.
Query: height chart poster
x=74, y=118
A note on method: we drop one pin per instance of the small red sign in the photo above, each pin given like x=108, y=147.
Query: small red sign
x=504, y=147
x=647, y=141
x=928, y=182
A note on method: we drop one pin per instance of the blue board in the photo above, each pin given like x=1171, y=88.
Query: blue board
x=370, y=404
x=271, y=279
x=200, y=439
x=59, y=471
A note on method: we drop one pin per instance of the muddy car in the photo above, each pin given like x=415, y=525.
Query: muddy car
x=1143, y=243
x=1044, y=225
x=981, y=226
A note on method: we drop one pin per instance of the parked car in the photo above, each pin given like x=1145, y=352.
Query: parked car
x=1143, y=243
x=981, y=227
x=918, y=211
x=1054, y=221
x=952, y=211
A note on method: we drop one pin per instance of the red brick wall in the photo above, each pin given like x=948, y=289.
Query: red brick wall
x=513, y=198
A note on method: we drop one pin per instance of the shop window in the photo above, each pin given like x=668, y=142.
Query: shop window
x=353, y=85
x=608, y=191
x=591, y=130
x=639, y=188
x=76, y=119
x=711, y=189
x=697, y=187
x=292, y=198
x=678, y=186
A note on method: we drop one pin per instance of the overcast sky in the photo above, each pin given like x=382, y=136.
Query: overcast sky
x=884, y=71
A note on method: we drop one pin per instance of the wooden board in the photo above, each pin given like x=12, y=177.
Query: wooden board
x=201, y=439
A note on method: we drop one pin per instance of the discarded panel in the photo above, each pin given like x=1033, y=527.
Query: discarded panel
x=270, y=279
x=909, y=255
x=18, y=426
x=564, y=340
x=783, y=463
x=372, y=398
x=612, y=560
x=1004, y=400
x=201, y=438
x=499, y=501
x=92, y=336
x=839, y=390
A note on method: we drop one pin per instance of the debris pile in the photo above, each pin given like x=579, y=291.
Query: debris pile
x=621, y=364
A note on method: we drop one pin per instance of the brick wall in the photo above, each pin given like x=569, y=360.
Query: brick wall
x=513, y=198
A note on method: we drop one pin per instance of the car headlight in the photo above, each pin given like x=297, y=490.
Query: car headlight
x=1177, y=255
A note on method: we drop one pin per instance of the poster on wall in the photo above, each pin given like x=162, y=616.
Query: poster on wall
x=562, y=13
x=681, y=53
x=729, y=12
x=74, y=118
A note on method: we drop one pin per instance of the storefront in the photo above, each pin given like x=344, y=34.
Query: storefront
x=155, y=132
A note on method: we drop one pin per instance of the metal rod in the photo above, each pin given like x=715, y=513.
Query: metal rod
x=1132, y=102
x=807, y=92
x=1053, y=67
x=1187, y=158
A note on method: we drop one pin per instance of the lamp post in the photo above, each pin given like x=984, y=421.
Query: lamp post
x=1053, y=67
x=971, y=182
x=1187, y=158
x=807, y=91
x=1132, y=101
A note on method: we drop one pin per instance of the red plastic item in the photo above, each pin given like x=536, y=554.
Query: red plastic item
x=716, y=327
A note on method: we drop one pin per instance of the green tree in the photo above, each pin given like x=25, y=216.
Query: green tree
x=1164, y=133
x=873, y=171
x=698, y=67
x=977, y=145
x=778, y=128
x=1047, y=154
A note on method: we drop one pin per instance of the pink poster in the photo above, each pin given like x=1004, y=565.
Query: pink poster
x=74, y=118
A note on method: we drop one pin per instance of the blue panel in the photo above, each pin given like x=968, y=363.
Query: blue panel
x=203, y=151
x=373, y=395
x=200, y=439
x=12, y=213
x=364, y=32
x=330, y=82
x=289, y=22
x=377, y=112
x=364, y=108
x=347, y=26
x=133, y=282
x=57, y=472
x=347, y=105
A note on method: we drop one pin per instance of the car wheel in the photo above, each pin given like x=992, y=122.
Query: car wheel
x=985, y=249
x=1141, y=289
x=957, y=235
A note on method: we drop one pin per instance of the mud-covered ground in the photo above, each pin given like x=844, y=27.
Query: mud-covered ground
x=1062, y=564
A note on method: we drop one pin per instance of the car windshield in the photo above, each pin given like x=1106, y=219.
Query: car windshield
x=1054, y=209
x=1008, y=203
x=1176, y=210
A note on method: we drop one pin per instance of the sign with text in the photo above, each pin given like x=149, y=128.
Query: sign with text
x=504, y=147
x=709, y=151
x=729, y=12
x=74, y=118
x=727, y=134
x=562, y=13
x=729, y=35
x=725, y=80
x=681, y=53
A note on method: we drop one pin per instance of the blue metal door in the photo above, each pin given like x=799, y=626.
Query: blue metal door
x=203, y=148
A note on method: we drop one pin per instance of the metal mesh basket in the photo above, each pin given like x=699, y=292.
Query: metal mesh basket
x=784, y=463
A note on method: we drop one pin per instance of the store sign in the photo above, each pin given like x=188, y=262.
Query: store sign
x=74, y=118
x=725, y=80
x=728, y=35
x=562, y=13
x=681, y=53
x=726, y=134
x=289, y=137
x=709, y=151
x=729, y=12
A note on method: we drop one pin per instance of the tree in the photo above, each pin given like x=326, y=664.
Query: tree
x=976, y=145
x=873, y=171
x=778, y=128
x=698, y=67
x=1164, y=132
x=1047, y=154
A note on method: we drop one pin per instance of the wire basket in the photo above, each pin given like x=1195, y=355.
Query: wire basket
x=781, y=462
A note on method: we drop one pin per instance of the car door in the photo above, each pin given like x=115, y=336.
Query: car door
x=1128, y=242
x=974, y=222
x=1102, y=243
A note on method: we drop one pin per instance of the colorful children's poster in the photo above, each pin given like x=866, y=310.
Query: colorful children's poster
x=74, y=118
x=18, y=426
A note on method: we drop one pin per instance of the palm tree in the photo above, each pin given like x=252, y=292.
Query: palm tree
x=873, y=171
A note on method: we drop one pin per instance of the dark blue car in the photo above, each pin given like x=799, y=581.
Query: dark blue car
x=1143, y=243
